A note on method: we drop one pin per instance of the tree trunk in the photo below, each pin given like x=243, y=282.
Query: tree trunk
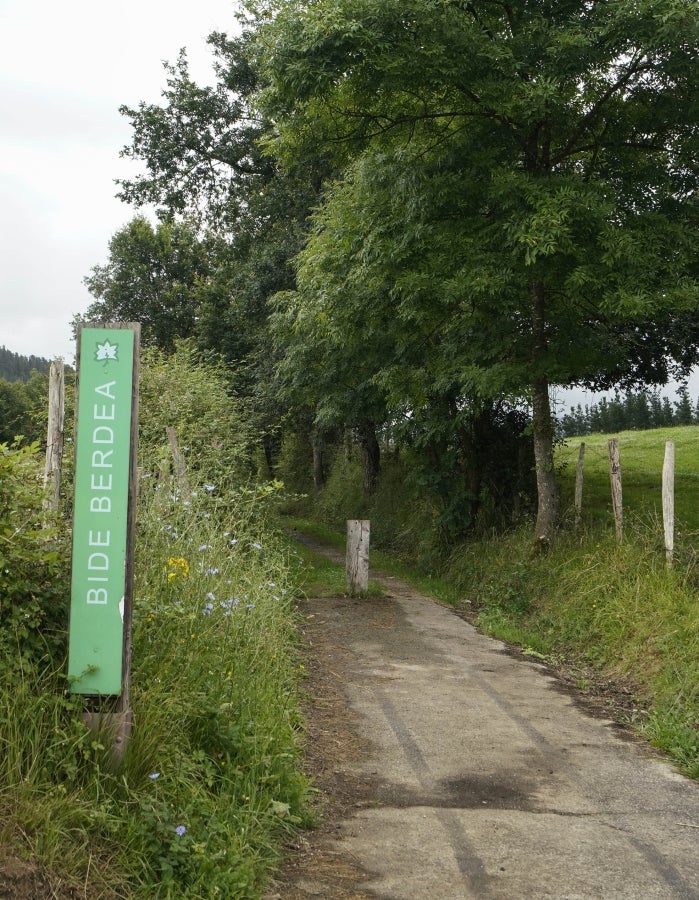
x=371, y=455
x=319, y=468
x=268, y=449
x=542, y=424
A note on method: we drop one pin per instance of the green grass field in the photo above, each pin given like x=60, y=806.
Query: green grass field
x=641, y=454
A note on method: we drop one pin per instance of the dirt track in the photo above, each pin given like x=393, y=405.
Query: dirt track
x=451, y=769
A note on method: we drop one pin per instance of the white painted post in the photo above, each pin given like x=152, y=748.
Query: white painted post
x=615, y=478
x=669, y=501
x=357, y=558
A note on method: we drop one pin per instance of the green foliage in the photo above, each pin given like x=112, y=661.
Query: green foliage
x=210, y=784
x=641, y=455
x=617, y=610
x=510, y=211
x=152, y=277
x=16, y=367
x=34, y=583
x=635, y=411
x=214, y=689
x=182, y=391
x=23, y=408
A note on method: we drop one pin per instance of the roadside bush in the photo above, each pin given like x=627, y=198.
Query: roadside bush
x=178, y=390
x=34, y=569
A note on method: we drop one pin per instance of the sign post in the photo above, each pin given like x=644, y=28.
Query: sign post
x=104, y=513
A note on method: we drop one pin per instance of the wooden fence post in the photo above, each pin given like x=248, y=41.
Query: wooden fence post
x=54, y=436
x=357, y=559
x=579, y=484
x=669, y=501
x=180, y=466
x=615, y=479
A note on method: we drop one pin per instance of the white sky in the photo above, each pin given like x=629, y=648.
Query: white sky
x=65, y=68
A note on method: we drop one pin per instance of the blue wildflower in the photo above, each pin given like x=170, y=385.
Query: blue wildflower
x=180, y=830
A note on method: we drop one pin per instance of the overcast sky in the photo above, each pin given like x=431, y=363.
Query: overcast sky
x=65, y=68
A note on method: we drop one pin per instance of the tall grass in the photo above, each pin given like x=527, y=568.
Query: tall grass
x=210, y=782
x=615, y=609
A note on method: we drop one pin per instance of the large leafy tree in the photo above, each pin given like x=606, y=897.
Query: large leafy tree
x=154, y=275
x=203, y=152
x=545, y=154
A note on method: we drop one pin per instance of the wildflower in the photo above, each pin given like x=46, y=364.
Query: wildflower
x=211, y=596
x=211, y=571
x=256, y=545
x=205, y=547
x=249, y=606
x=210, y=487
x=234, y=541
x=180, y=830
x=154, y=776
x=178, y=567
x=208, y=609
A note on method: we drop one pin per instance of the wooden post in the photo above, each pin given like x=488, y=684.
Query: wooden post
x=357, y=559
x=124, y=702
x=579, y=484
x=104, y=529
x=669, y=501
x=54, y=436
x=615, y=479
x=180, y=466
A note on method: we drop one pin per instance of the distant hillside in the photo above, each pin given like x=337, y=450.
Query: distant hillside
x=15, y=367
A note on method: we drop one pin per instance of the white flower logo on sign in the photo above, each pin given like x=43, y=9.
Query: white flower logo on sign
x=106, y=351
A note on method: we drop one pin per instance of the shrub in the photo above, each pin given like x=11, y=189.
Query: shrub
x=34, y=569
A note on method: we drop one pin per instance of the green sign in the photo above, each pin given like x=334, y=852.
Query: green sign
x=101, y=509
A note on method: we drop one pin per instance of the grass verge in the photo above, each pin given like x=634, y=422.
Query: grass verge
x=211, y=782
x=617, y=611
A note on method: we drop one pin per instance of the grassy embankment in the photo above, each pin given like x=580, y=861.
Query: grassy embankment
x=612, y=612
x=211, y=783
